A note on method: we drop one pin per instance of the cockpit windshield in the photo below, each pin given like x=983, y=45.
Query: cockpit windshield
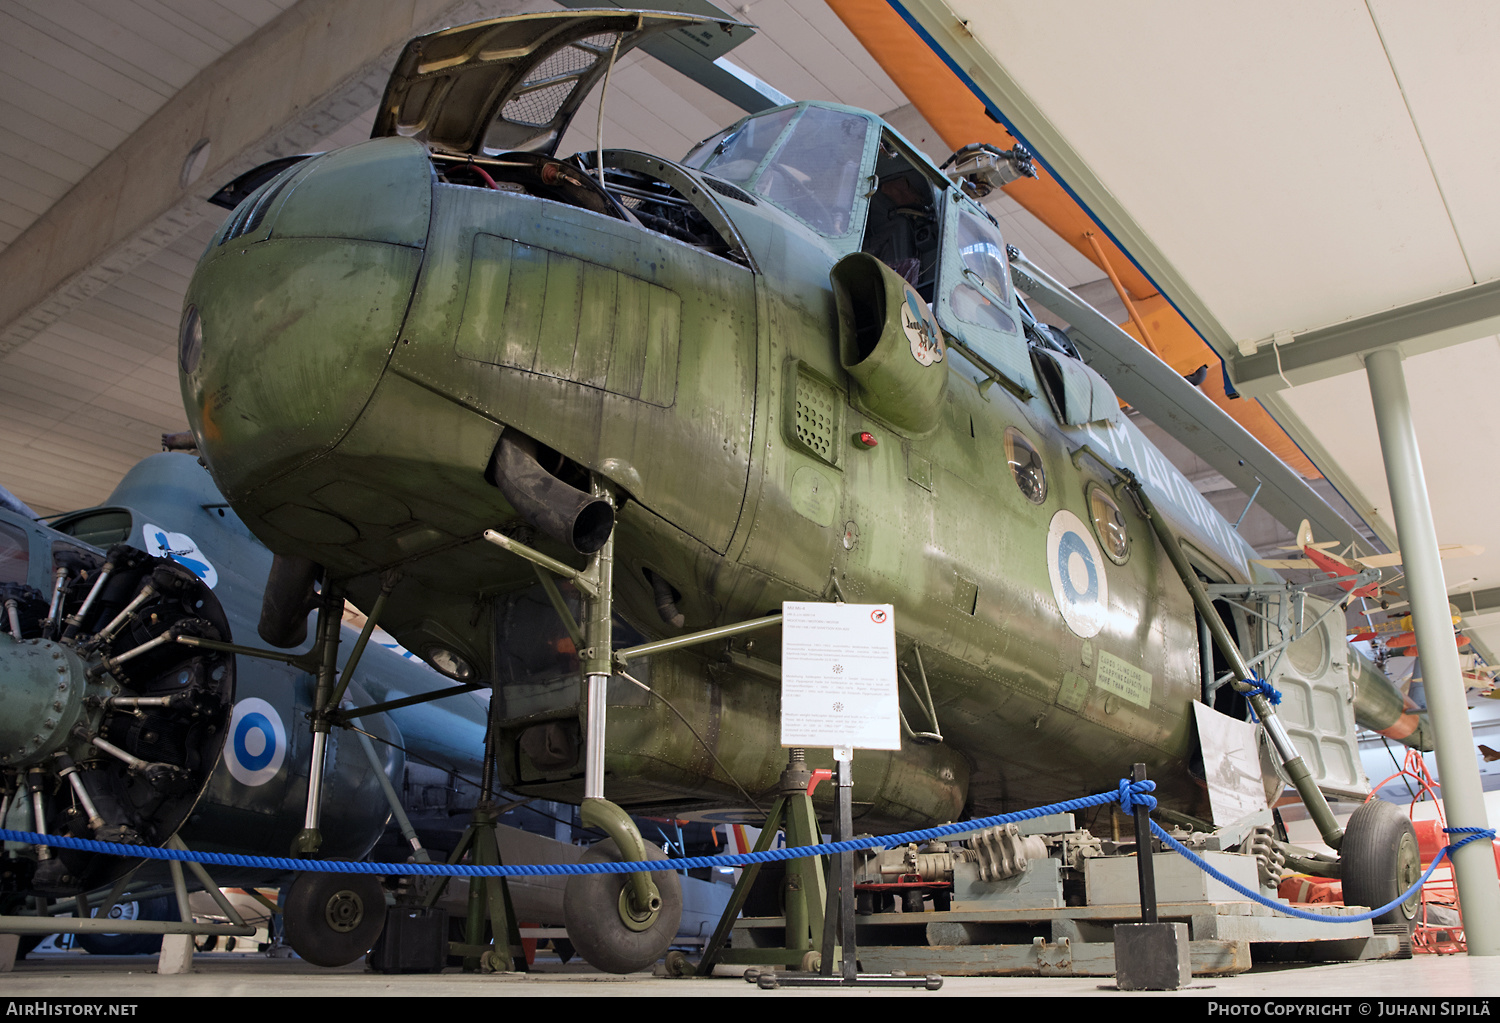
x=804, y=160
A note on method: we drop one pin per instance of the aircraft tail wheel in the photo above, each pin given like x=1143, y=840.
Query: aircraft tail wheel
x=333, y=919
x=601, y=926
x=1380, y=861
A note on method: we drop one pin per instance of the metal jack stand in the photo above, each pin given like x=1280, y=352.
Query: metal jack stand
x=805, y=887
x=487, y=895
x=838, y=927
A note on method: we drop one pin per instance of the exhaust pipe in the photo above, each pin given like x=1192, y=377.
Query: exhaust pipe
x=288, y=598
x=566, y=514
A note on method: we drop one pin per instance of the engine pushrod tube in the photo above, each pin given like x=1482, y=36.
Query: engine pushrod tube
x=1296, y=769
x=630, y=653
x=135, y=763
x=82, y=794
x=108, y=632
x=59, y=579
x=76, y=621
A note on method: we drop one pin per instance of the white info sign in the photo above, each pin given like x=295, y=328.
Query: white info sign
x=838, y=676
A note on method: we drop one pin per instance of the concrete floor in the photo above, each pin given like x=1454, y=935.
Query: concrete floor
x=220, y=975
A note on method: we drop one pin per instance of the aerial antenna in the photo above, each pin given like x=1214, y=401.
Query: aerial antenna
x=603, y=92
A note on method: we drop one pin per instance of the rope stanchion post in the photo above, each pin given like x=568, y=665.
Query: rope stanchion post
x=1150, y=955
x=1145, y=865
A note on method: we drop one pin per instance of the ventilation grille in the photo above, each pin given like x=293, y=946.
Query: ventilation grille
x=725, y=188
x=817, y=415
x=538, y=107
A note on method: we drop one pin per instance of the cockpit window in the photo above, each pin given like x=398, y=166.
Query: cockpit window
x=14, y=555
x=735, y=154
x=100, y=528
x=983, y=252
x=812, y=174
x=982, y=295
x=810, y=170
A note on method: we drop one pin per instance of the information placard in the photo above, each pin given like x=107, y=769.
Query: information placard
x=838, y=676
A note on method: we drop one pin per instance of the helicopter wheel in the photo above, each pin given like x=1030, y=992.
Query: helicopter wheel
x=596, y=911
x=1381, y=861
x=333, y=919
x=162, y=908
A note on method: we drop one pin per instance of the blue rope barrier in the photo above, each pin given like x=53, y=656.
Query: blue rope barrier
x=1280, y=907
x=545, y=869
x=1129, y=794
x=1260, y=687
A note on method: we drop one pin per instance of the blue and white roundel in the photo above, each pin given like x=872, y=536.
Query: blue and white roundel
x=257, y=742
x=1077, y=571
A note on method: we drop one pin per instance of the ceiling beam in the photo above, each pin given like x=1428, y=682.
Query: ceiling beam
x=315, y=67
x=1289, y=360
x=1473, y=603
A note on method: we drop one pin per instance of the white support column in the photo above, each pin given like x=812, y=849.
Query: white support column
x=1463, y=797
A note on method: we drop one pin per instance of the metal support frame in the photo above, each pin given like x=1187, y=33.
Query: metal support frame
x=1296, y=768
x=330, y=619
x=1278, y=607
x=102, y=924
x=1447, y=708
x=392, y=799
x=595, y=646
x=805, y=886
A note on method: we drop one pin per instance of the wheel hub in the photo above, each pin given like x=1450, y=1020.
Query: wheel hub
x=633, y=918
x=344, y=911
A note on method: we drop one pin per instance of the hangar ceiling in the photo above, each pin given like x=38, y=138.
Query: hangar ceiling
x=1272, y=174
x=1306, y=183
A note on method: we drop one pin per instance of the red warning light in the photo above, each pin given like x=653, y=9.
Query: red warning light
x=867, y=439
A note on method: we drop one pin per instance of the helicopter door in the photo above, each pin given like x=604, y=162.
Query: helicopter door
x=974, y=299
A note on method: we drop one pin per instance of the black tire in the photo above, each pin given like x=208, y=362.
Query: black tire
x=591, y=912
x=163, y=908
x=333, y=919
x=1380, y=861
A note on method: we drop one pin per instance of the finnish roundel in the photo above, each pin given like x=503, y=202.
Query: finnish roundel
x=256, y=746
x=1076, y=569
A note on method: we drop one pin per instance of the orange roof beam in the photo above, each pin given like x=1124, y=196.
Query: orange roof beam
x=960, y=117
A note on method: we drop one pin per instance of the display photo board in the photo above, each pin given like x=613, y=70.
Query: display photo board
x=838, y=676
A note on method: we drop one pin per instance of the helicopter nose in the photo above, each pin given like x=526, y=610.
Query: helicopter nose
x=296, y=305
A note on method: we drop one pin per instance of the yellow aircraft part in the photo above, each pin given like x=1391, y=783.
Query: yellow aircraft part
x=960, y=118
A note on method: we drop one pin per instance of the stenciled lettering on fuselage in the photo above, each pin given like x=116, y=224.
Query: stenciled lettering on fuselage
x=1133, y=451
x=1077, y=571
x=257, y=743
